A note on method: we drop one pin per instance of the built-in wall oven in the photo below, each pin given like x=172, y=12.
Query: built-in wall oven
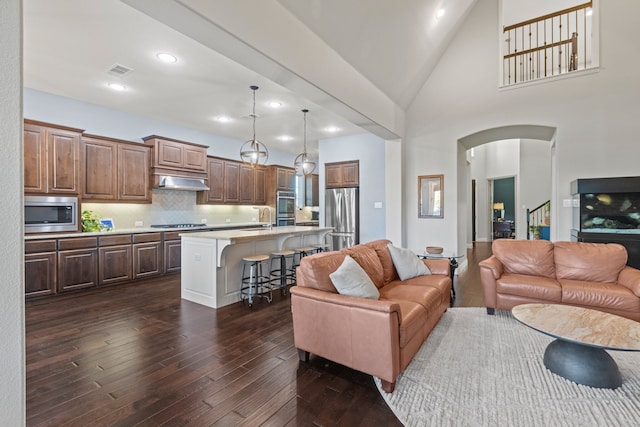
x=43, y=214
x=285, y=208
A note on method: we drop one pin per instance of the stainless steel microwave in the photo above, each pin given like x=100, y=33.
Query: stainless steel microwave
x=44, y=214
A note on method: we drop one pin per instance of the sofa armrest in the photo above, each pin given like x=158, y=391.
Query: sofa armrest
x=360, y=333
x=490, y=270
x=439, y=266
x=630, y=278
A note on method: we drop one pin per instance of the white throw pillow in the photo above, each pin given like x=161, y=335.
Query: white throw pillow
x=407, y=263
x=350, y=279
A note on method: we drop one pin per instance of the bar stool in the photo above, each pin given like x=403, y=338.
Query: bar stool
x=301, y=252
x=321, y=247
x=282, y=275
x=255, y=284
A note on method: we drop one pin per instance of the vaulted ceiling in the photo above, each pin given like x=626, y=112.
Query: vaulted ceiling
x=70, y=46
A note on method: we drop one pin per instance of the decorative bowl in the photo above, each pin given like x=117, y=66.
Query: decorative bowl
x=434, y=249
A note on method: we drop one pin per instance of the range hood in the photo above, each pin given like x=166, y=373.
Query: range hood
x=181, y=183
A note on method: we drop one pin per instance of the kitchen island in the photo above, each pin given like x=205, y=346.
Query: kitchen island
x=212, y=260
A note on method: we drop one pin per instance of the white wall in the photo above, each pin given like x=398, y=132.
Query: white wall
x=370, y=151
x=535, y=177
x=595, y=114
x=12, y=387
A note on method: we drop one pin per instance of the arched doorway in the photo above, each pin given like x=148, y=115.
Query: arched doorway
x=536, y=133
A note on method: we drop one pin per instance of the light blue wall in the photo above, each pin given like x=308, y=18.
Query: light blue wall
x=370, y=151
x=103, y=121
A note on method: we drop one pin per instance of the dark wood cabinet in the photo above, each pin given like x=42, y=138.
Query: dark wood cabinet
x=311, y=189
x=77, y=263
x=51, y=159
x=259, y=181
x=215, y=182
x=115, y=170
x=172, y=252
x=133, y=173
x=342, y=174
x=114, y=259
x=285, y=179
x=99, y=165
x=177, y=155
x=40, y=268
x=231, y=181
x=147, y=255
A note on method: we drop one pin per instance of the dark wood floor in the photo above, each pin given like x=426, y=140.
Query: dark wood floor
x=139, y=355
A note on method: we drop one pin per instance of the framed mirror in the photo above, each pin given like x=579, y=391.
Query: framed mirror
x=431, y=196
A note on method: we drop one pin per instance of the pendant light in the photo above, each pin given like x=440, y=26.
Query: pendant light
x=303, y=164
x=253, y=151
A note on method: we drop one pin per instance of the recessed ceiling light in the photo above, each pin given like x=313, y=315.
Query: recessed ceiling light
x=332, y=129
x=440, y=13
x=166, y=57
x=117, y=86
x=274, y=104
x=222, y=119
x=285, y=138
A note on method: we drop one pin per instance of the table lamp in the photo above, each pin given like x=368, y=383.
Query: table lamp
x=498, y=209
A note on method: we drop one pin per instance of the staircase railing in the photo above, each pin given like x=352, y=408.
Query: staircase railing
x=538, y=216
x=549, y=45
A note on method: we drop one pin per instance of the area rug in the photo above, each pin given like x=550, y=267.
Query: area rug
x=480, y=370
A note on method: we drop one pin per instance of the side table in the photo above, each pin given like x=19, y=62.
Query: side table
x=453, y=264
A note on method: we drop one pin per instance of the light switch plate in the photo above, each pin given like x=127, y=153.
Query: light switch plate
x=377, y=205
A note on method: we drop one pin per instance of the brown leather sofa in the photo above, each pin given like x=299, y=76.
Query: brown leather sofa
x=592, y=275
x=377, y=337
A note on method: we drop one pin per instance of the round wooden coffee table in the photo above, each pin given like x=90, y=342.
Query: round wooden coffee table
x=582, y=336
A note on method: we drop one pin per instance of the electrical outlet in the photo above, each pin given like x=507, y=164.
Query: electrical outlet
x=227, y=220
x=138, y=224
x=254, y=219
x=203, y=220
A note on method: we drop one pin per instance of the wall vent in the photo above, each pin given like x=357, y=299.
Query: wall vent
x=119, y=70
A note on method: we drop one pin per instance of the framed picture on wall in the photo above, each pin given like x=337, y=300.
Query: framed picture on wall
x=431, y=196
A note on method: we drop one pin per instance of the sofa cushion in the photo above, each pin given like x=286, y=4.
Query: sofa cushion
x=441, y=283
x=368, y=260
x=528, y=257
x=427, y=296
x=407, y=263
x=413, y=318
x=599, y=294
x=536, y=287
x=350, y=279
x=388, y=269
x=314, y=270
x=591, y=262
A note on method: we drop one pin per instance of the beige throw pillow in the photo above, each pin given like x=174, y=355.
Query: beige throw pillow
x=407, y=263
x=350, y=279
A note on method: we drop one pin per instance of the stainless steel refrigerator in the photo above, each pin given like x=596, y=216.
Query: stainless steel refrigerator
x=341, y=212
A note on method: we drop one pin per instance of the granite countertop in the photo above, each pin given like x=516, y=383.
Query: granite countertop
x=139, y=230
x=259, y=233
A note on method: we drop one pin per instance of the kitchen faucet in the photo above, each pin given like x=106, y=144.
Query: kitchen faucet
x=267, y=209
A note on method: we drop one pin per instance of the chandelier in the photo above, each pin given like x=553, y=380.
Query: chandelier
x=253, y=151
x=303, y=164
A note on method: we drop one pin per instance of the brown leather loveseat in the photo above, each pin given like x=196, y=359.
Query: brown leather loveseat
x=592, y=275
x=378, y=337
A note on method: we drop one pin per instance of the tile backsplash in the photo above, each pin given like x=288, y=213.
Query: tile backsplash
x=173, y=207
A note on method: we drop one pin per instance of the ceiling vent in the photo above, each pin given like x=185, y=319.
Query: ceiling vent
x=119, y=70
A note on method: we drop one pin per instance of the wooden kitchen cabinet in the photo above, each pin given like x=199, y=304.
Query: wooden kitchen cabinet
x=147, y=255
x=133, y=173
x=178, y=155
x=342, y=174
x=231, y=181
x=311, y=197
x=285, y=179
x=40, y=268
x=77, y=263
x=114, y=259
x=115, y=170
x=215, y=182
x=51, y=159
x=172, y=252
x=259, y=182
x=247, y=184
